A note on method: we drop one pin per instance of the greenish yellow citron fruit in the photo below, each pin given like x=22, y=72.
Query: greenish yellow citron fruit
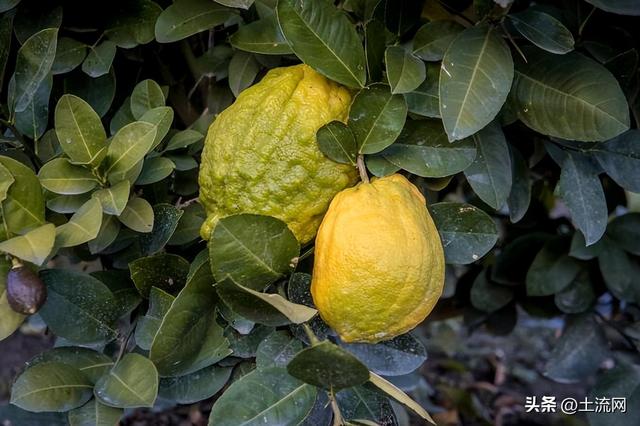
x=261, y=154
x=379, y=263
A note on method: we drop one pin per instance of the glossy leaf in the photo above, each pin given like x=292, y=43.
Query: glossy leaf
x=243, y=69
x=33, y=120
x=128, y=147
x=50, y=386
x=133, y=23
x=405, y=72
x=80, y=131
x=94, y=413
x=33, y=64
x=337, y=142
x=520, y=195
x=625, y=231
x=433, y=38
x=252, y=250
x=166, y=218
x=154, y=170
x=164, y=271
x=34, y=246
x=569, y=97
x=543, y=30
x=132, y=382
x=161, y=118
x=380, y=166
x=137, y=215
x=423, y=149
x=283, y=400
x=159, y=303
x=363, y=403
x=114, y=199
x=490, y=173
x=62, y=177
x=98, y=61
x=552, y=269
x=98, y=92
x=107, y=234
x=189, y=225
x=376, y=118
x=425, y=100
x=375, y=43
x=195, y=387
x=23, y=207
x=187, y=17
x=146, y=96
x=91, y=363
x=322, y=37
x=467, y=232
x=263, y=36
x=488, y=296
x=620, y=158
x=622, y=7
x=183, y=139
x=395, y=357
x=85, y=316
x=83, y=226
x=475, y=78
x=276, y=350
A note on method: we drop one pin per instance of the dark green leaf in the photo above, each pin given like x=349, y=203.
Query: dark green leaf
x=488, y=296
x=620, y=158
x=395, y=357
x=543, y=30
x=98, y=61
x=424, y=100
x=243, y=69
x=622, y=381
x=467, y=232
x=380, y=166
x=476, y=76
x=50, y=386
x=133, y=23
x=98, y=92
x=520, y=195
x=132, y=382
x=107, y=234
x=146, y=96
x=322, y=37
x=33, y=64
x=187, y=17
x=165, y=224
x=569, y=96
x=580, y=250
x=194, y=387
x=33, y=16
x=619, y=272
x=33, y=120
x=622, y=7
x=552, y=269
x=276, y=350
x=376, y=118
x=398, y=15
x=263, y=36
x=337, y=142
x=375, y=43
x=625, y=231
x=405, y=72
x=252, y=250
x=91, y=363
x=154, y=170
x=188, y=228
x=94, y=413
x=578, y=296
x=183, y=139
x=165, y=271
x=159, y=303
x=423, y=149
x=361, y=402
x=433, y=38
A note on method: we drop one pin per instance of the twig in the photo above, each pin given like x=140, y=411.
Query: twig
x=362, y=169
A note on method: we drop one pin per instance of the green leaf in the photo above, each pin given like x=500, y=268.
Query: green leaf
x=578, y=296
x=276, y=350
x=618, y=271
x=34, y=246
x=395, y=357
x=34, y=119
x=137, y=215
x=543, y=30
x=328, y=366
x=282, y=400
x=476, y=76
x=569, y=97
x=146, y=96
x=92, y=364
x=253, y=251
x=154, y=170
x=322, y=37
x=376, y=118
x=50, y=386
x=23, y=208
x=467, y=232
x=123, y=289
x=380, y=166
x=579, y=248
x=263, y=308
x=113, y=199
x=621, y=7
x=622, y=381
x=69, y=54
x=625, y=231
x=107, y=234
x=188, y=338
x=552, y=269
x=33, y=64
x=165, y=224
x=6, y=5
x=188, y=17
x=133, y=23
x=195, y=387
x=80, y=316
x=62, y=177
x=80, y=131
x=6, y=180
x=10, y=320
x=398, y=15
x=241, y=4
x=399, y=396
x=424, y=100
x=488, y=296
x=362, y=402
x=32, y=17
x=165, y=271
x=263, y=36
x=159, y=304
x=433, y=38
x=128, y=147
x=161, y=118
x=183, y=139
x=243, y=70
x=620, y=158
x=131, y=383
x=189, y=225
x=581, y=190
x=98, y=92
x=405, y=72
x=337, y=142
x=20, y=416
x=490, y=173
x=423, y=149
x=98, y=61
x=83, y=226
x=579, y=351
x=520, y=195
x=6, y=34
x=94, y=413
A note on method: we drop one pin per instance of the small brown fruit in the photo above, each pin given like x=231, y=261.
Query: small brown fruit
x=26, y=293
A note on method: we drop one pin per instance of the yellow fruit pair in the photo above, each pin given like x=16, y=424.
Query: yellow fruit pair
x=379, y=263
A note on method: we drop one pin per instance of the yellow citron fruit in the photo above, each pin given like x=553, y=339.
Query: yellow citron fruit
x=261, y=155
x=379, y=263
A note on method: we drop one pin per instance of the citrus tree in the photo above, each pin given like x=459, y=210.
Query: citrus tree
x=516, y=120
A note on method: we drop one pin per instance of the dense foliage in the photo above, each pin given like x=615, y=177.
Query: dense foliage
x=517, y=119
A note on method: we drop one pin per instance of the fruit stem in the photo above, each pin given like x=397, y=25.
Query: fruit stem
x=362, y=168
x=16, y=263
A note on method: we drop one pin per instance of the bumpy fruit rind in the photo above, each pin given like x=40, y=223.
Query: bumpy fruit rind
x=379, y=263
x=261, y=154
